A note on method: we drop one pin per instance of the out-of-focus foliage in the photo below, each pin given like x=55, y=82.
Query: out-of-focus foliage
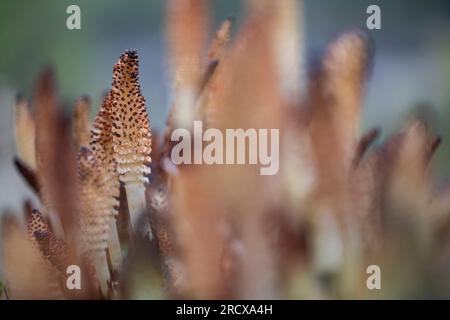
x=141, y=227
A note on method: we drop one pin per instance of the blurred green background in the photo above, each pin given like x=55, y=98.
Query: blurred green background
x=411, y=67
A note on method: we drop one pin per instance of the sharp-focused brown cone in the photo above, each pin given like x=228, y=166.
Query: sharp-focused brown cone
x=132, y=141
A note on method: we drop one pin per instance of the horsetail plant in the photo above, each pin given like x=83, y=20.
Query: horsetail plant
x=101, y=143
x=132, y=142
x=95, y=216
x=341, y=202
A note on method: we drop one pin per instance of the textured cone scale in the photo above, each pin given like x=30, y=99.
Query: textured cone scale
x=131, y=128
x=131, y=132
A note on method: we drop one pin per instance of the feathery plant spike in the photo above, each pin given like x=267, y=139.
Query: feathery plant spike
x=25, y=134
x=101, y=144
x=81, y=127
x=131, y=134
x=95, y=216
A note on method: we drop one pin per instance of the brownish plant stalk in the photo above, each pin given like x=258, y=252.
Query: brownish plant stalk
x=131, y=135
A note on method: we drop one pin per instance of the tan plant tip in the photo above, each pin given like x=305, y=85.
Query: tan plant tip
x=130, y=126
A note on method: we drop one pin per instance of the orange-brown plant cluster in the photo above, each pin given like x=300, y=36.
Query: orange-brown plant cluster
x=113, y=203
